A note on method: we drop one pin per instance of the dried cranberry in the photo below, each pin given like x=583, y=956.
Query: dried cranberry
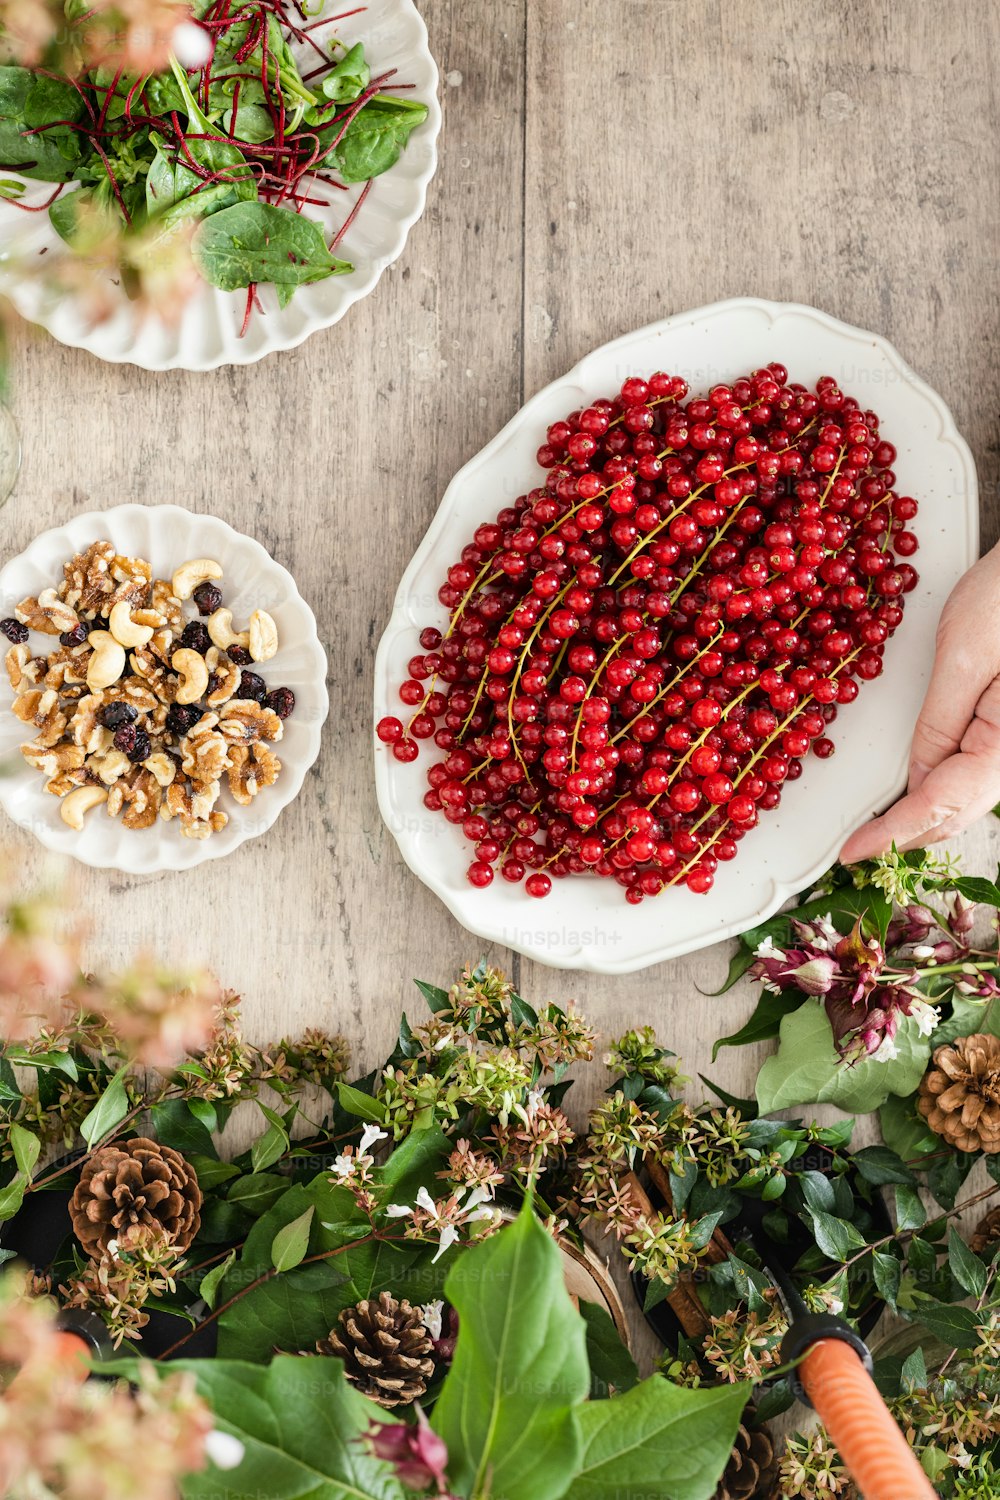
x=207, y=597
x=239, y=656
x=181, y=717
x=281, y=702
x=252, y=686
x=76, y=636
x=214, y=683
x=142, y=749
x=126, y=737
x=195, y=637
x=117, y=714
x=14, y=630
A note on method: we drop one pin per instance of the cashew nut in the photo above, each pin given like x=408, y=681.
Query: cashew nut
x=220, y=630
x=57, y=610
x=76, y=804
x=192, y=669
x=107, y=663
x=190, y=574
x=125, y=629
x=263, y=636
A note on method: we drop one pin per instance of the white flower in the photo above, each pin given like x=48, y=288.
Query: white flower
x=481, y=1194
x=481, y=1213
x=425, y=1201
x=884, y=1052
x=926, y=1016
x=430, y=1316
x=343, y=1166
x=369, y=1136
x=768, y=950
x=534, y=1101
x=399, y=1211
x=449, y=1235
x=225, y=1451
x=923, y=950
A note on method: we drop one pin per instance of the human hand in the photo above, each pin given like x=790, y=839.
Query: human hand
x=955, y=756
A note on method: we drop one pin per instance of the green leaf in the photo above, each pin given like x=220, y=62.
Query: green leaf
x=258, y=242
x=26, y=1148
x=349, y=78
x=12, y=1196
x=966, y=1267
x=905, y=1130
x=836, y=1237
x=611, y=1364
x=175, y=1124
x=289, y=1246
x=375, y=138
x=269, y=1147
x=360, y=1104
x=913, y=1375
x=738, y=966
x=28, y=101
x=291, y=1311
x=975, y=888
x=109, y=1111
x=886, y=1270
x=63, y=1062
x=211, y=1281
x=437, y=998
x=765, y=1022
x=506, y=1408
x=955, y=1326
x=302, y=1428
x=258, y=1191
x=880, y=1166
x=910, y=1211
x=211, y=1173
x=807, y=1070
x=657, y=1442
x=969, y=1016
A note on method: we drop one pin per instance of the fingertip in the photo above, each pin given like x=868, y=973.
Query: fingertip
x=865, y=843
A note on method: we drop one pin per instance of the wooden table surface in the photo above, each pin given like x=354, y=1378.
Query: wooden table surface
x=602, y=165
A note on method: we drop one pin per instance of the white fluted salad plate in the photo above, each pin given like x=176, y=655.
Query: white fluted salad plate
x=207, y=333
x=585, y=922
x=167, y=536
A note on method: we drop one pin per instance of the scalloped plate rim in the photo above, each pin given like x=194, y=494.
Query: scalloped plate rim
x=781, y=889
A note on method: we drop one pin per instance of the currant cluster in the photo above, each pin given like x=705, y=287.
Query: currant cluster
x=643, y=649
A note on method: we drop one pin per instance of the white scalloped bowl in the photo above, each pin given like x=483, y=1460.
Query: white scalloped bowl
x=585, y=922
x=207, y=333
x=166, y=536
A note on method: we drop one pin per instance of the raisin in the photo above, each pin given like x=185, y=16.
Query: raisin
x=207, y=597
x=142, y=748
x=114, y=715
x=195, y=637
x=252, y=686
x=280, y=702
x=126, y=736
x=182, y=717
x=239, y=656
x=76, y=636
x=18, y=633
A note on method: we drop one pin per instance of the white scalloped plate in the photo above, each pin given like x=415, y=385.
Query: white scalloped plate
x=207, y=334
x=166, y=536
x=585, y=923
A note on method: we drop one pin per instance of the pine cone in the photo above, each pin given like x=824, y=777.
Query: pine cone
x=960, y=1093
x=752, y=1468
x=126, y=1190
x=987, y=1233
x=385, y=1348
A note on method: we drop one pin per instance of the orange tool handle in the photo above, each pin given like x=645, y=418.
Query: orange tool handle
x=880, y=1460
